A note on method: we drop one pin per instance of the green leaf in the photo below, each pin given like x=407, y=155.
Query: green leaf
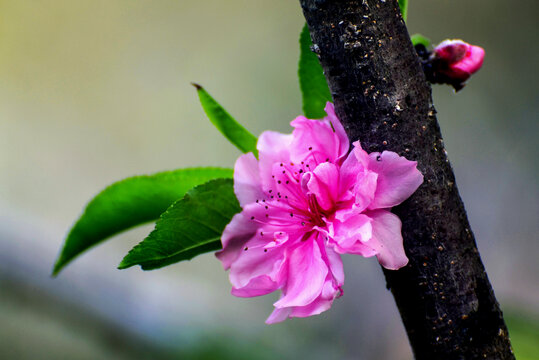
x=403, y=4
x=128, y=203
x=420, y=39
x=312, y=82
x=227, y=125
x=191, y=226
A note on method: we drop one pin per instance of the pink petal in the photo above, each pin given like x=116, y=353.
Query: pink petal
x=361, y=155
x=398, y=178
x=387, y=239
x=314, y=142
x=352, y=235
x=472, y=62
x=348, y=173
x=335, y=124
x=451, y=51
x=365, y=189
x=324, y=184
x=273, y=147
x=278, y=315
x=247, y=186
x=256, y=262
x=335, y=265
x=306, y=274
x=323, y=302
x=319, y=305
x=236, y=234
x=258, y=286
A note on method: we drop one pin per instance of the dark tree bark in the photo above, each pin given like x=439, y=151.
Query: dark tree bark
x=382, y=98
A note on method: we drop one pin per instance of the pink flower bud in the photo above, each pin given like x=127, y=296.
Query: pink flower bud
x=457, y=60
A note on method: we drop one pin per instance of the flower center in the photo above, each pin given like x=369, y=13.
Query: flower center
x=317, y=214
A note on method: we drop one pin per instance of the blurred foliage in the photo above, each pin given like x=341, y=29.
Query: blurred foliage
x=403, y=4
x=420, y=39
x=524, y=334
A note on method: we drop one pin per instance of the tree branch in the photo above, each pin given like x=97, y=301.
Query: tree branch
x=382, y=98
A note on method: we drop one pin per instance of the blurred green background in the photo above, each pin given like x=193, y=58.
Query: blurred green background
x=95, y=91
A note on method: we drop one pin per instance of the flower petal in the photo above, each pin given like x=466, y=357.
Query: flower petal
x=348, y=173
x=335, y=265
x=398, y=178
x=365, y=189
x=258, y=286
x=236, y=234
x=361, y=155
x=273, y=147
x=353, y=234
x=387, y=239
x=254, y=263
x=335, y=124
x=306, y=274
x=324, y=184
x=316, y=141
x=317, y=306
x=330, y=291
x=472, y=62
x=278, y=315
x=247, y=186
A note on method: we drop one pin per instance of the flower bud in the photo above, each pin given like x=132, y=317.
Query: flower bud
x=454, y=61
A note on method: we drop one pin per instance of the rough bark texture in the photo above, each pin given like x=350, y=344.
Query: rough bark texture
x=381, y=96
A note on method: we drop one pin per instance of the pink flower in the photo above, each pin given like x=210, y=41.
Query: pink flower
x=458, y=60
x=305, y=202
